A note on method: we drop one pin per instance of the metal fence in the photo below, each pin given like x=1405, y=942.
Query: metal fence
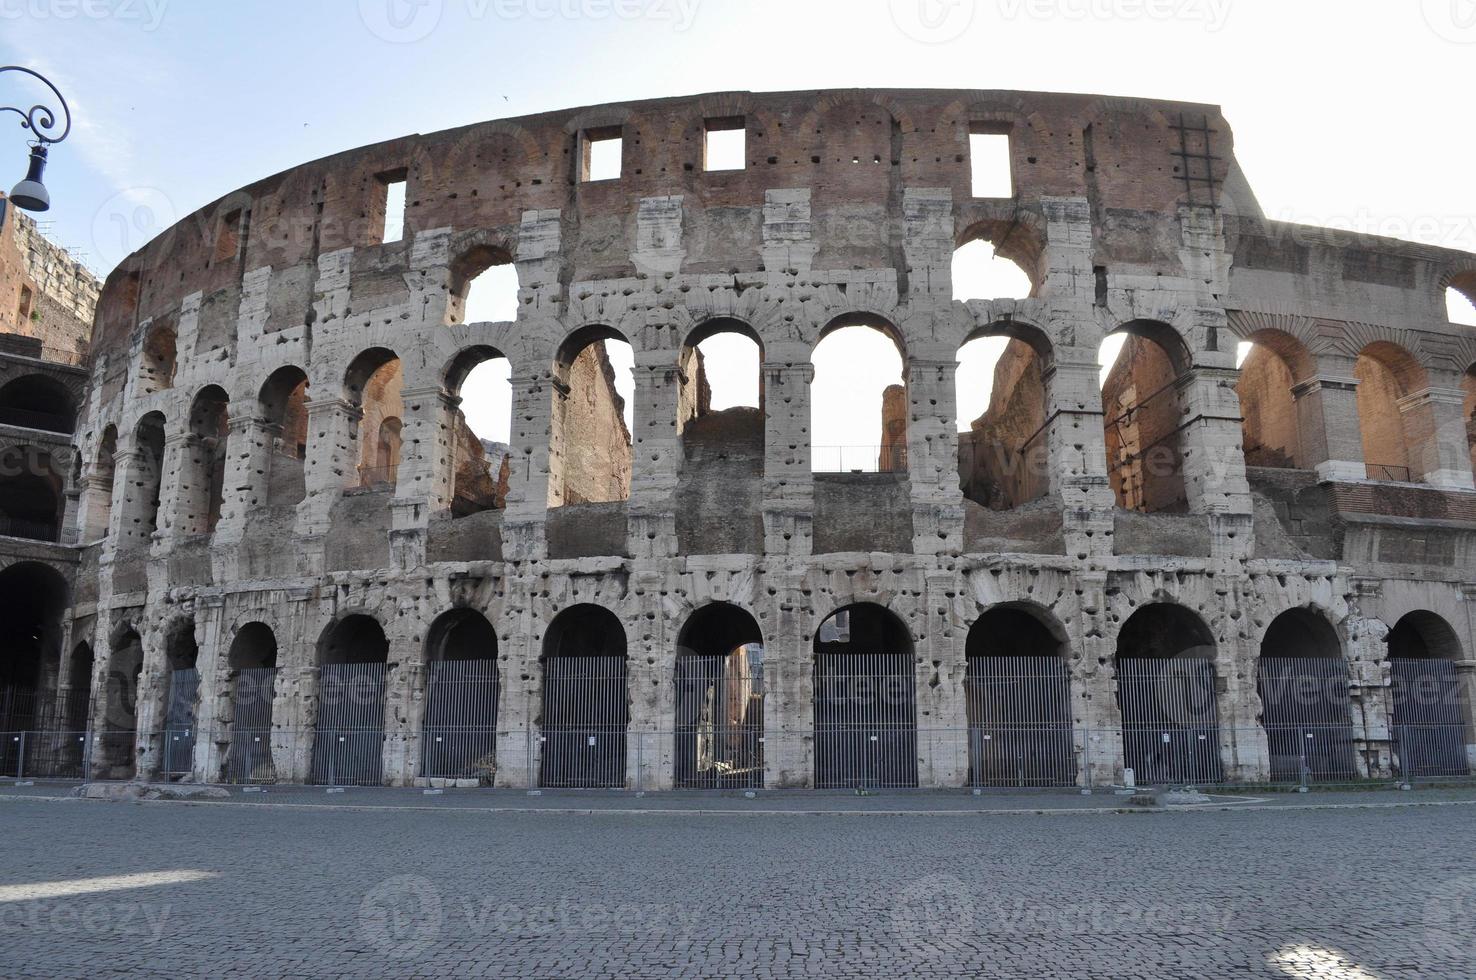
x=1019, y=711
x=1427, y=717
x=1305, y=710
x=348, y=743
x=177, y=754
x=719, y=722
x=586, y=711
x=249, y=751
x=460, y=732
x=859, y=459
x=1170, y=727
x=865, y=720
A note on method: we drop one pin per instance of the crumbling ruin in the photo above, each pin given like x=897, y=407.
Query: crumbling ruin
x=280, y=501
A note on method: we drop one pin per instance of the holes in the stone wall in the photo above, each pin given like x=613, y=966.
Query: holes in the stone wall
x=600, y=154
x=858, y=408
x=989, y=161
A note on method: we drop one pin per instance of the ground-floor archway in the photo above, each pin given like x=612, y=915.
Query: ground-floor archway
x=865, y=700
x=114, y=750
x=1166, y=691
x=181, y=700
x=1429, y=716
x=720, y=700
x=459, y=733
x=251, y=688
x=1302, y=679
x=1018, y=701
x=348, y=742
x=586, y=701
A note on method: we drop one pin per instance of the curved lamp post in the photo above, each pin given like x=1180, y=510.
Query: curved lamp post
x=42, y=120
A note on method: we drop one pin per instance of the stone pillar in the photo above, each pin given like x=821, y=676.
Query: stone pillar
x=789, y=486
x=425, y=480
x=942, y=709
x=295, y=698
x=789, y=685
x=1327, y=421
x=214, y=711
x=528, y=471
x=1075, y=445
x=149, y=701
x=519, y=644
x=1368, y=690
x=404, y=709
x=650, y=681
x=656, y=455
x=95, y=508
x=1214, y=460
x=1096, y=715
x=1245, y=753
x=932, y=452
x=172, y=491
x=1436, y=438
x=248, y=458
x=331, y=464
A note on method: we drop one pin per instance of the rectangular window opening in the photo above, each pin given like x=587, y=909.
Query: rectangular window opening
x=600, y=159
x=726, y=144
x=393, y=185
x=989, y=161
x=23, y=312
x=228, y=236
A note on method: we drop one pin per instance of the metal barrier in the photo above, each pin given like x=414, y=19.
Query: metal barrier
x=460, y=732
x=1305, y=707
x=1019, y=710
x=249, y=752
x=1427, y=717
x=1170, y=730
x=1384, y=471
x=859, y=459
x=177, y=754
x=719, y=722
x=586, y=711
x=348, y=743
x=865, y=720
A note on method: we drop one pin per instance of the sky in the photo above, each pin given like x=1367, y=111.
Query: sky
x=1347, y=113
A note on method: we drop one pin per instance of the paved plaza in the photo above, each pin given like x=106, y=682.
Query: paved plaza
x=374, y=883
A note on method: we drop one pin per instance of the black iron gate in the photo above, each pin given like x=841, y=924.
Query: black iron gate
x=1019, y=713
x=178, y=753
x=865, y=720
x=719, y=722
x=1428, y=718
x=1170, y=723
x=586, y=711
x=348, y=744
x=459, y=738
x=249, y=756
x=1309, y=732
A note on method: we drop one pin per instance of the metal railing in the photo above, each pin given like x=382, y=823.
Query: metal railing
x=19, y=527
x=27, y=418
x=858, y=459
x=1384, y=471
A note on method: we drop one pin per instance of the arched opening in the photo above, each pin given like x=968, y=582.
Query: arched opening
x=1391, y=431
x=1468, y=385
x=1460, y=299
x=32, y=598
x=720, y=700
x=283, y=403
x=462, y=691
x=156, y=366
x=1430, y=715
x=38, y=402
x=484, y=287
x=182, y=655
x=1018, y=700
x=141, y=495
x=251, y=688
x=372, y=385
x=590, y=452
x=31, y=500
x=865, y=700
x=586, y=701
x=720, y=408
x=1302, y=679
x=348, y=743
x=981, y=272
x=858, y=400
x=99, y=495
x=114, y=753
x=1166, y=690
x=1272, y=365
x=202, y=482
x=77, y=700
x=1143, y=405
x=479, y=383
x=1003, y=456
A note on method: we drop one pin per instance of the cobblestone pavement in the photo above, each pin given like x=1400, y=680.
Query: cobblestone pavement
x=96, y=889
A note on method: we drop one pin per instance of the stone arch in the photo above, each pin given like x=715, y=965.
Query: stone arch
x=474, y=261
x=37, y=401
x=283, y=401
x=1004, y=454
x=865, y=691
x=590, y=445
x=98, y=495
x=143, y=483
x=699, y=424
x=202, y=474
x=1270, y=410
x=250, y=691
x=33, y=597
x=1144, y=404
x=463, y=690
x=352, y=658
x=1017, y=695
x=719, y=699
x=114, y=754
x=838, y=390
x=1392, y=426
x=158, y=359
x=32, y=495
x=481, y=465
x=1166, y=692
x=372, y=385
x=1460, y=283
x=1430, y=707
x=1302, y=681
x=585, y=700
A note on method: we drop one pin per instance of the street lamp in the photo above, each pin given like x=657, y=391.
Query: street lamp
x=30, y=194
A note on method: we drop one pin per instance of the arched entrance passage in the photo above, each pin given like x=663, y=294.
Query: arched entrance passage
x=1018, y=700
x=1429, y=712
x=31, y=503
x=251, y=687
x=32, y=597
x=1144, y=404
x=462, y=690
x=35, y=401
x=348, y=744
x=1303, y=682
x=586, y=701
x=1166, y=691
x=865, y=700
x=720, y=700
x=182, y=653
x=114, y=752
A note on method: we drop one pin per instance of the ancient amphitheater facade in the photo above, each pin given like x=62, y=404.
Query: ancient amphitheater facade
x=287, y=558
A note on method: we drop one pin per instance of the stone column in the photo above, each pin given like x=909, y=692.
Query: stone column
x=248, y=457
x=404, y=709
x=528, y=471
x=1368, y=690
x=519, y=644
x=943, y=720
x=95, y=508
x=214, y=712
x=789, y=685
x=656, y=455
x=172, y=491
x=1214, y=460
x=650, y=742
x=295, y=698
x=424, y=482
x=1245, y=753
x=1096, y=716
x=1436, y=438
x=789, y=486
x=331, y=464
x=932, y=452
x=1327, y=420
x=1075, y=446
x=149, y=702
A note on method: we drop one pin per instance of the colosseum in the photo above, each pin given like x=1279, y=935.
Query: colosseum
x=281, y=554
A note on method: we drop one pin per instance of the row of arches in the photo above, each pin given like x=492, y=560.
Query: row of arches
x=1024, y=711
